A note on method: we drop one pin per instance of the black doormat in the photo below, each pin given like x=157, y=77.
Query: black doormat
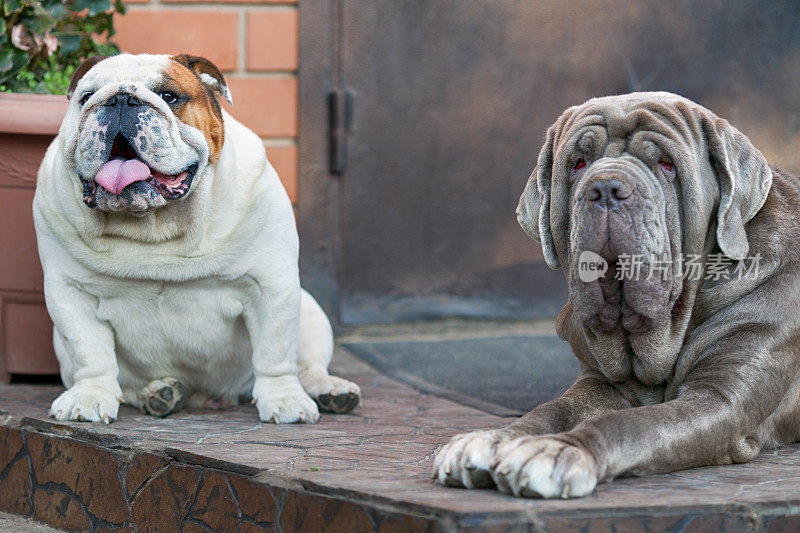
x=505, y=376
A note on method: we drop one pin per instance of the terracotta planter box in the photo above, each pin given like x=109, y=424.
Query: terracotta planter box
x=27, y=125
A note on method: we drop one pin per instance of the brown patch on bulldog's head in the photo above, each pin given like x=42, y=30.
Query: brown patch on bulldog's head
x=199, y=104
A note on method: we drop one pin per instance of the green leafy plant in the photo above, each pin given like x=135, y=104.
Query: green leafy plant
x=42, y=42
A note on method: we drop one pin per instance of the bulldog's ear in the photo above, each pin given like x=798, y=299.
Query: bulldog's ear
x=208, y=73
x=533, y=211
x=82, y=69
x=744, y=182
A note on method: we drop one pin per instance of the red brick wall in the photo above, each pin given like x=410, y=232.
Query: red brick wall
x=254, y=42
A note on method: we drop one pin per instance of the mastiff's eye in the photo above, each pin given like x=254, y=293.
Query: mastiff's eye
x=666, y=166
x=85, y=98
x=168, y=97
x=579, y=164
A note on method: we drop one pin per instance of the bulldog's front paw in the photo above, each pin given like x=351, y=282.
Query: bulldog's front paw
x=466, y=460
x=282, y=400
x=544, y=467
x=332, y=394
x=90, y=400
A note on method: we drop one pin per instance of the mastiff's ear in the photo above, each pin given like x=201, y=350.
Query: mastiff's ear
x=208, y=73
x=533, y=211
x=82, y=69
x=744, y=182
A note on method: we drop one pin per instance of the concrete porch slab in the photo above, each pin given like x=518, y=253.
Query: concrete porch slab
x=368, y=471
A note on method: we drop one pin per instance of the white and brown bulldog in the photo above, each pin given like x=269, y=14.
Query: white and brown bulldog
x=170, y=253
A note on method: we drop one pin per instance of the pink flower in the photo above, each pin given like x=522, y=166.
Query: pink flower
x=21, y=37
x=51, y=43
x=25, y=40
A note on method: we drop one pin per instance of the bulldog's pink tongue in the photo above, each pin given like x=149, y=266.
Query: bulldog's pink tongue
x=119, y=173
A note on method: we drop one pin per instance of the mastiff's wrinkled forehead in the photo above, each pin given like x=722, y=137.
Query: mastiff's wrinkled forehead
x=142, y=129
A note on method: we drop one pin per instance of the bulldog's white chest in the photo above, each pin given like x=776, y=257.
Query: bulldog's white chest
x=193, y=331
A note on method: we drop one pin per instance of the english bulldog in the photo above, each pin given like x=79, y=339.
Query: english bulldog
x=170, y=254
x=689, y=340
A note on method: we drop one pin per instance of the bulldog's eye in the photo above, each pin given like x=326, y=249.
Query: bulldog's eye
x=85, y=98
x=168, y=97
x=666, y=166
x=579, y=164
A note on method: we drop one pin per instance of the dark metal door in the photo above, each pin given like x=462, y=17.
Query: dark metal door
x=451, y=100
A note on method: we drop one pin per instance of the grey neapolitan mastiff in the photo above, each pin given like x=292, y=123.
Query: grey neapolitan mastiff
x=680, y=367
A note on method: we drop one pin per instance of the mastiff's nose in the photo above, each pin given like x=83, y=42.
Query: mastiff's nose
x=608, y=192
x=123, y=99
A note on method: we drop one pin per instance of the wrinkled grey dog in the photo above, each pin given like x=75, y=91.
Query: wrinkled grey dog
x=690, y=359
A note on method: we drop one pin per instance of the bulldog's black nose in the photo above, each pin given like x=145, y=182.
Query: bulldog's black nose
x=123, y=99
x=609, y=192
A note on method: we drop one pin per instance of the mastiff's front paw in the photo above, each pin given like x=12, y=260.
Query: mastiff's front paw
x=544, y=467
x=90, y=400
x=282, y=400
x=466, y=460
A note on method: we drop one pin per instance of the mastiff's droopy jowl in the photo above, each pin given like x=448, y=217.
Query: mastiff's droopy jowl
x=681, y=249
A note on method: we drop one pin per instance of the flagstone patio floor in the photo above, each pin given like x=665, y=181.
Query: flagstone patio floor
x=367, y=471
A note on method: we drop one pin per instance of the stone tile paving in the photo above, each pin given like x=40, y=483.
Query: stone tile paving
x=369, y=471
